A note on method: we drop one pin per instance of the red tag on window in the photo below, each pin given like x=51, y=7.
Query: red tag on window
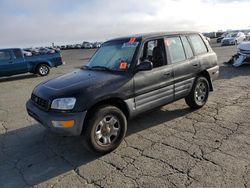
x=132, y=40
x=123, y=65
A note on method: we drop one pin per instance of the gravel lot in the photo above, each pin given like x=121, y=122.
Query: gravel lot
x=168, y=147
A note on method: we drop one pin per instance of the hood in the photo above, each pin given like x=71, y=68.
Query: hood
x=78, y=82
x=245, y=46
x=80, y=78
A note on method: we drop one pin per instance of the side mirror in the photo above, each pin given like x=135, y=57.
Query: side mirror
x=144, y=66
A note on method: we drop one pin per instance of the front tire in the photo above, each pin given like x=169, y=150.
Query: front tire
x=43, y=70
x=106, y=129
x=198, y=96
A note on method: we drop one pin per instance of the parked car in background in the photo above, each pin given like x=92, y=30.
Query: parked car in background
x=62, y=47
x=208, y=39
x=97, y=45
x=233, y=38
x=87, y=45
x=242, y=56
x=219, y=39
x=84, y=45
x=46, y=51
x=34, y=51
x=219, y=33
x=78, y=46
x=124, y=78
x=16, y=61
x=247, y=35
x=212, y=35
x=26, y=53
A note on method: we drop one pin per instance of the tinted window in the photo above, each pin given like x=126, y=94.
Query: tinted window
x=176, y=50
x=4, y=55
x=187, y=47
x=18, y=53
x=198, y=44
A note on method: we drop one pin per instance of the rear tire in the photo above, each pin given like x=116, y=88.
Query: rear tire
x=105, y=129
x=43, y=70
x=198, y=96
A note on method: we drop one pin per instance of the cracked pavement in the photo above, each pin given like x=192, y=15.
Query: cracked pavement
x=172, y=146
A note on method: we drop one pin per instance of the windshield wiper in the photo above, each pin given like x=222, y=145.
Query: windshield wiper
x=101, y=68
x=85, y=67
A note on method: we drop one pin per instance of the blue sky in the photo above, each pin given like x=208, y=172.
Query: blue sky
x=34, y=23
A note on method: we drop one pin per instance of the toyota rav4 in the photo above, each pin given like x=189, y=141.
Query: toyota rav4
x=125, y=77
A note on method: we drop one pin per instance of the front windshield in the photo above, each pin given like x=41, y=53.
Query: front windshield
x=232, y=35
x=115, y=55
x=224, y=34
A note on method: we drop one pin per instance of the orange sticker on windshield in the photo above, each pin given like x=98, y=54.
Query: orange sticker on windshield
x=123, y=65
x=132, y=40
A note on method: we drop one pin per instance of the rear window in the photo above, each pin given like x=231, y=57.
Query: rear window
x=18, y=53
x=198, y=44
x=4, y=56
x=176, y=50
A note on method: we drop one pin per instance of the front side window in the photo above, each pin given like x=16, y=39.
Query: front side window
x=4, y=56
x=154, y=51
x=175, y=48
x=198, y=44
x=115, y=55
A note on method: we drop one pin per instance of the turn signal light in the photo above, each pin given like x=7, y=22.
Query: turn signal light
x=63, y=124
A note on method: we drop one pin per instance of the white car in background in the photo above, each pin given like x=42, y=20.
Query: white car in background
x=26, y=53
x=243, y=55
x=233, y=38
x=247, y=36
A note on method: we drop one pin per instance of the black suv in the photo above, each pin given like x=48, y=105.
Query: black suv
x=125, y=77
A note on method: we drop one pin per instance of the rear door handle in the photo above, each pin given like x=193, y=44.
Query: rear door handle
x=195, y=65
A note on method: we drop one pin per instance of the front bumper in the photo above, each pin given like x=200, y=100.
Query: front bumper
x=225, y=43
x=46, y=118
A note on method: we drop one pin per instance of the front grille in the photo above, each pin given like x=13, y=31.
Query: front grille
x=226, y=42
x=40, y=102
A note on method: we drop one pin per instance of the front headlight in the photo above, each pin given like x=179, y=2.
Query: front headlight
x=63, y=103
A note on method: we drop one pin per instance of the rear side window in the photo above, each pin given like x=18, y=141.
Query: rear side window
x=18, y=53
x=175, y=48
x=187, y=47
x=4, y=56
x=198, y=44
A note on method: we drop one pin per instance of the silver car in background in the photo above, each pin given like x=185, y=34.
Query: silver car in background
x=233, y=38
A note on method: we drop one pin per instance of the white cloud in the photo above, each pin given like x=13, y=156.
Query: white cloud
x=29, y=22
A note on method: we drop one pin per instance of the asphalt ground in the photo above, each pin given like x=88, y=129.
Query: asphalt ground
x=172, y=146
